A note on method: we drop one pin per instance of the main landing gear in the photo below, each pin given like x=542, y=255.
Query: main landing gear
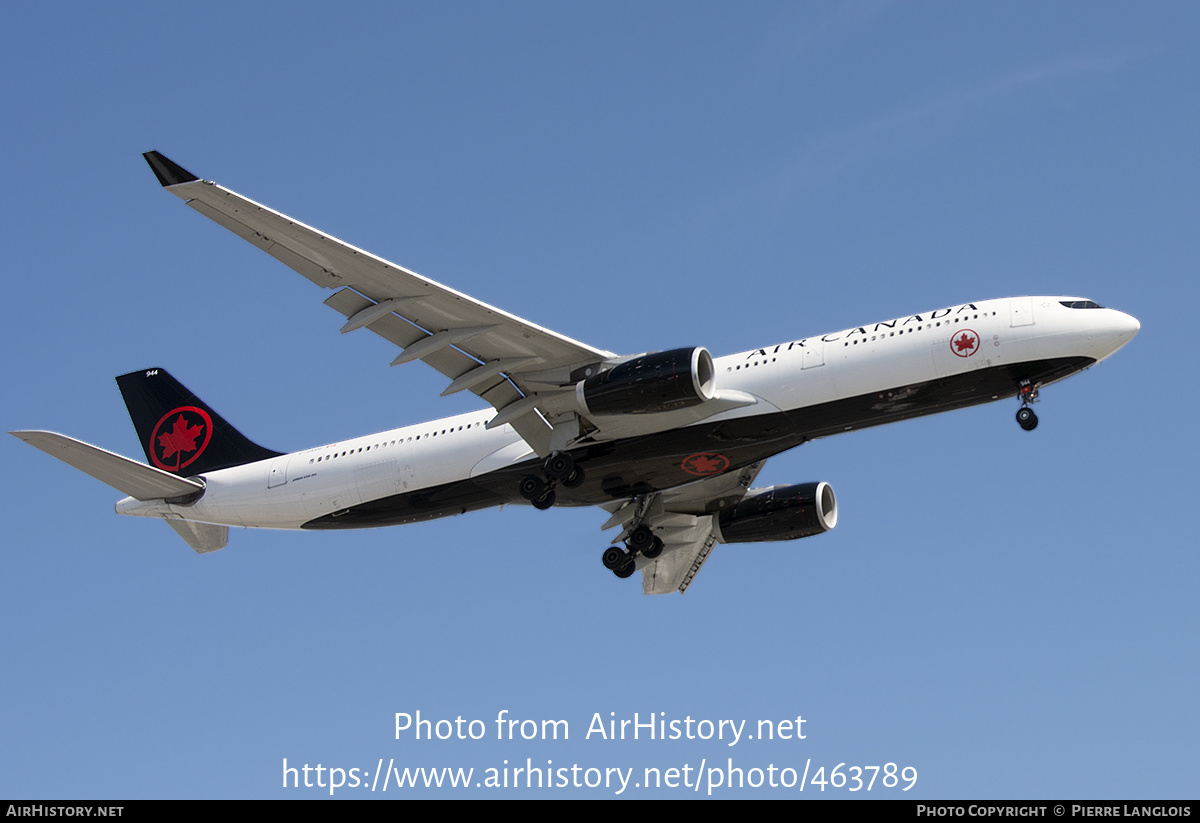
x=1026, y=418
x=559, y=467
x=640, y=541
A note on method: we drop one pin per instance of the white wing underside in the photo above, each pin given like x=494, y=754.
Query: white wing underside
x=499, y=357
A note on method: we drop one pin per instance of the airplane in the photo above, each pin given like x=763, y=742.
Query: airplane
x=667, y=443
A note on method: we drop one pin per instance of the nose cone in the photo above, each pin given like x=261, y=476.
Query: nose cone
x=1129, y=324
x=1118, y=329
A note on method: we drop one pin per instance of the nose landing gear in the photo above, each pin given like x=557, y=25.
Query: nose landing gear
x=1026, y=418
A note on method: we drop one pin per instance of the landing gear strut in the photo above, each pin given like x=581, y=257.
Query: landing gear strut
x=641, y=541
x=644, y=542
x=1026, y=418
x=559, y=468
x=537, y=491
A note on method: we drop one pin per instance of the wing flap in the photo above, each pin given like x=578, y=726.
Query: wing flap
x=391, y=327
x=450, y=361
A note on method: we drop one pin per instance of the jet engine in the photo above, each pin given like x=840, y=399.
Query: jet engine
x=779, y=513
x=650, y=383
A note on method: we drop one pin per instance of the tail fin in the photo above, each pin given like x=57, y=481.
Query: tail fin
x=178, y=431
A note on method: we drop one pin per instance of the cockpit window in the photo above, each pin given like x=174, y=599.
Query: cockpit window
x=1081, y=304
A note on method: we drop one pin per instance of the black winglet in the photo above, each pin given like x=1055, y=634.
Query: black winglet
x=168, y=173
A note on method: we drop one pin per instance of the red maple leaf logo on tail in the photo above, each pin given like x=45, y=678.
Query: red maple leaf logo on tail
x=177, y=434
x=182, y=438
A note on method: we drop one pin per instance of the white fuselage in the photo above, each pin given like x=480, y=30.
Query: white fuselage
x=290, y=490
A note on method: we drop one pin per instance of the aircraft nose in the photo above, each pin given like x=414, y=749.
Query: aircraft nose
x=1119, y=328
x=1128, y=323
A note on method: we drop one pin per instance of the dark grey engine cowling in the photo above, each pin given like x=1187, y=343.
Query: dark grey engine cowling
x=779, y=513
x=652, y=383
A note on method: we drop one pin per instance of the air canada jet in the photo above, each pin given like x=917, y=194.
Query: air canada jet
x=668, y=443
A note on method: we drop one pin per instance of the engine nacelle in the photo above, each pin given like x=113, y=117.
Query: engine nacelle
x=779, y=513
x=649, y=384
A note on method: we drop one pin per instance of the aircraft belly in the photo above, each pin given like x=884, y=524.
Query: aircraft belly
x=640, y=465
x=955, y=391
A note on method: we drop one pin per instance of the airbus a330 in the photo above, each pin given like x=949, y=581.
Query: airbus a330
x=668, y=443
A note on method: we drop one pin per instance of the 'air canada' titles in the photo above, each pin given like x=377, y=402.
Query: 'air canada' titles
x=846, y=334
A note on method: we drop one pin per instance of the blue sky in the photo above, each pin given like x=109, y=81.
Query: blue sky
x=1011, y=614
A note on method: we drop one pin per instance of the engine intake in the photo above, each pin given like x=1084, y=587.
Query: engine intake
x=779, y=513
x=652, y=383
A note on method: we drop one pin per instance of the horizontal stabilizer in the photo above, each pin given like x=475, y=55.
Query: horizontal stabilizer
x=135, y=479
x=203, y=537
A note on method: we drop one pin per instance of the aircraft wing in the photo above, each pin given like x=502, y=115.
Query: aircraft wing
x=688, y=545
x=503, y=359
x=684, y=518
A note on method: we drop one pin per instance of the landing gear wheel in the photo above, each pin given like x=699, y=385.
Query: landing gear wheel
x=532, y=487
x=641, y=540
x=655, y=550
x=574, y=479
x=559, y=466
x=613, y=558
x=1026, y=418
x=544, y=500
x=625, y=570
